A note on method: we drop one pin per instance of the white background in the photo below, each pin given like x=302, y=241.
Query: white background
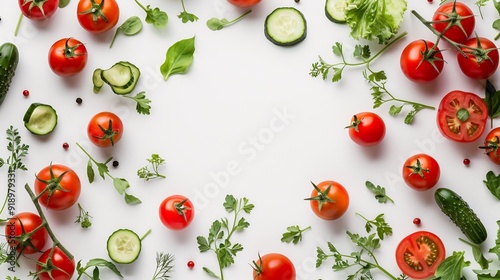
x=226, y=111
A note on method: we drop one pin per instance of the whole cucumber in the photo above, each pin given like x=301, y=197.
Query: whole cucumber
x=9, y=58
x=461, y=214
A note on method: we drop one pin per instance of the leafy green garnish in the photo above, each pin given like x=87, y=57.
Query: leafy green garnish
x=379, y=192
x=163, y=266
x=496, y=249
x=142, y=106
x=178, y=58
x=155, y=162
x=63, y=3
x=492, y=100
x=130, y=27
x=452, y=267
x=293, y=234
x=17, y=150
x=83, y=217
x=221, y=231
x=96, y=263
x=382, y=227
x=216, y=24
x=185, y=16
x=492, y=182
x=155, y=16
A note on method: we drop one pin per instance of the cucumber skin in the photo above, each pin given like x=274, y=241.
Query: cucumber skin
x=9, y=58
x=461, y=215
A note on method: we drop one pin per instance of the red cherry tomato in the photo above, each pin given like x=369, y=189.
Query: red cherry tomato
x=67, y=57
x=367, y=129
x=273, y=266
x=457, y=19
x=421, y=172
x=480, y=60
x=98, y=16
x=462, y=116
x=244, y=3
x=63, y=266
x=60, y=185
x=419, y=254
x=105, y=129
x=329, y=200
x=18, y=229
x=176, y=212
x=492, y=145
x=38, y=9
x=421, y=61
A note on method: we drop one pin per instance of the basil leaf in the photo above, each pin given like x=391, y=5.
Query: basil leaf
x=178, y=58
x=131, y=26
x=492, y=100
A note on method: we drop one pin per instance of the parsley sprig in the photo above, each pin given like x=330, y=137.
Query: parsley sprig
x=17, y=150
x=185, y=16
x=221, y=231
x=142, y=107
x=379, y=192
x=154, y=163
x=293, y=234
x=154, y=16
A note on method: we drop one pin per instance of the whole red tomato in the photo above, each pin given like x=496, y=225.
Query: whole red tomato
x=421, y=61
x=38, y=9
x=462, y=116
x=421, y=172
x=329, y=200
x=455, y=21
x=60, y=186
x=492, y=145
x=23, y=231
x=67, y=57
x=244, y=3
x=105, y=129
x=367, y=129
x=419, y=254
x=273, y=266
x=480, y=60
x=176, y=212
x=62, y=266
x=98, y=16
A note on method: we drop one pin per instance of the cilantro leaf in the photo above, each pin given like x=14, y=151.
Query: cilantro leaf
x=492, y=182
x=379, y=192
x=293, y=234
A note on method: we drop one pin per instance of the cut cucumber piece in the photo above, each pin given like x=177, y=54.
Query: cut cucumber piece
x=285, y=26
x=136, y=73
x=119, y=75
x=40, y=119
x=97, y=80
x=124, y=246
x=335, y=10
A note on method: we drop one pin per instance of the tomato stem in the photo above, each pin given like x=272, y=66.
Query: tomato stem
x=18, y=24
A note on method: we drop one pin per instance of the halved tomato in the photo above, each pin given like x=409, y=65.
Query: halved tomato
x=462, y=116
x=419, y=254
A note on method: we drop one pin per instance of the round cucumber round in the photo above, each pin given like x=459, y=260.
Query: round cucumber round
x=124, y=246
x=285, y=26
x=40, y=119
x=335, y=10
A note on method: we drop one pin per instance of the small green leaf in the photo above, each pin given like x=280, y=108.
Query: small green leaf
x=451, y=268
x=156, y=17
x=130, y=27
x=132, y=200
x=63, y=3
x=492, y=182
x=178, y=58
x=230, y=203
x=210, y=272
x=185, y=17
x=90, y=172
x=337, y=49
x=395, y=110
x=121, y=185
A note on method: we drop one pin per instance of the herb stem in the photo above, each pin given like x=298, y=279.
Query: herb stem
x=93, y=160
x=18, y=24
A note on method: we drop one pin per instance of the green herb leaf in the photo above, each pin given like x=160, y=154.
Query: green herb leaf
x=142, y=106
x=155, y=16
x=216, y=24
x=83, y=217
x=97, y=262
x=131, y=200
x=452, y=267
x=496, y=249
x=492, y=100
x=130, y=27
x=362, y=51
x=155, y=162
x=163, y=266
x=63, y=3
x=293, y=234
x=492, y=182
x=379, y=192
x=185, y=16
x=178, y=58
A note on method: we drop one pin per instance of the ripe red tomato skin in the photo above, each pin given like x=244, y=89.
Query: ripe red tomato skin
x=67, y=66
x=49, y=8
x=330, y=210
x=60, y=199
x=469, y=64
x=274, y=266
x=492, y=145
x=244, y=3
x=371, y=129
x=414, y=180
x=454, y=33
x=30, y=221
x=110, y=9
x=409, y=242
x=415, y=67
x=169, y=215
x=447, y=109
x=60, y=260
x=97, y=136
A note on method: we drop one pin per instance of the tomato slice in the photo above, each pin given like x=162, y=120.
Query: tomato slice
x=462, y=116
x=419, y=254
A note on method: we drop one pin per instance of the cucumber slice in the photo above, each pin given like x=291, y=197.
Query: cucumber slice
x=40, y=119
x=97, y=80
x=119, y=75
x=124, y=246
x=136, y=73
x=335, y=10
x=285, y=26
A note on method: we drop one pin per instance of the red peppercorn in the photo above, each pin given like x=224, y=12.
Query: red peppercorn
x=26, y=92
x=417, y=221
x=65, y=145
x=466, y=162
x=190, y=264
x=430, y=1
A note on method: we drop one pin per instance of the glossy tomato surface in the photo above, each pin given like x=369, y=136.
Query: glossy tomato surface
x=421, y=61
x=105, y=129
x=64, y=267
x=456, y=20
x=176, y=212
x=98, y=16
x=367, y=129
x=481, y=58
x=67, y=57
x=421, y=172
x=244, y=3
x=18, y=230
x=38, y=10
x=492, y=145
x=419, y=254
x=329, y=200
x=462, y=116
x=60, y=185
x=274, y=266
